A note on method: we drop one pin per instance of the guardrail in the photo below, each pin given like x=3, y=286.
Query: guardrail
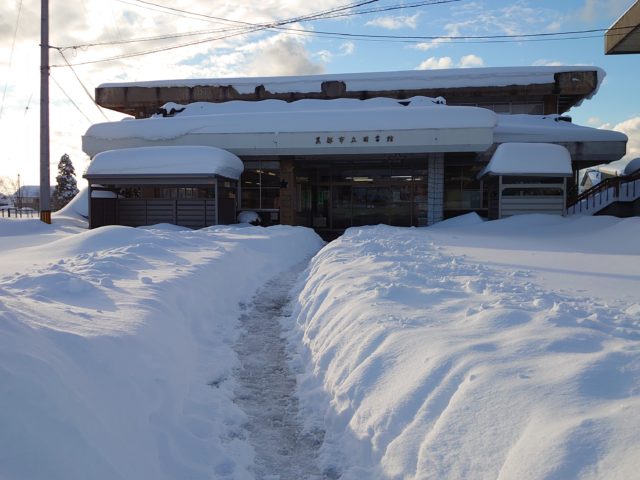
x=18, y=212
x=617, y=189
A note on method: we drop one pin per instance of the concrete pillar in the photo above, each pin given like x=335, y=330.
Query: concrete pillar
x=287, y=193
x=435, y=188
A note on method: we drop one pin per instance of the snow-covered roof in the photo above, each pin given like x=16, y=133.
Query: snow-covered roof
x=273, y=105
x=549, y=128
x=31, y=191
x=307, y=127
x=620, y=167
x=378, y=81
x=308, y=116
x=171, y=160
x=534, y=159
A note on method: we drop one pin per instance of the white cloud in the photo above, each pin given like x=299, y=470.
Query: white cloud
x=435, y=43
x=554, y=26
x=325, y=55
x=96, y=21
x=395, y=22
x=631, y=128
x=476, y=19
x=347, y=48
x=466, y=61
x=595, y=10
x=279, y=55
x=434, y=63
x=469, y=61
x=516, y=18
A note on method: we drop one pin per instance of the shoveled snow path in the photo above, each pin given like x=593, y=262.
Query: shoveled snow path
x=266, y=388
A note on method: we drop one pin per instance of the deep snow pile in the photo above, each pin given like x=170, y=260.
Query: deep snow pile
x=444, y=352
x=116, y=347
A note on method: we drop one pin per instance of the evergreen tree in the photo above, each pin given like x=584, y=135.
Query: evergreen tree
x=66, y=185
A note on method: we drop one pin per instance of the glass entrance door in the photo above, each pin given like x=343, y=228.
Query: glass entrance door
x=342, y=197
x=341, y=210
x=383, y=201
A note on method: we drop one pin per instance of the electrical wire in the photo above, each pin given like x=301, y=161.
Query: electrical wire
x=83, y=86
x=290, y=20
x=13, y=45
x=277, y=25
x=356, y=37
x=26, y=108
x=70, y=99
x=243, y=28
x=382, y=37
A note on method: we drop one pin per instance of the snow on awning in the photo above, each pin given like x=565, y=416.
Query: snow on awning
x=191, y=161
x=348, y=128
x=529, y=159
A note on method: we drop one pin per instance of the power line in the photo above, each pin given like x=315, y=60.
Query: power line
x=347, y=34
x=13, y=45
x=26, y=108
x=83, y=86
x=249, y=27
x=539, y=37
x=69, y=98
x=468, y=37
x=291, y=20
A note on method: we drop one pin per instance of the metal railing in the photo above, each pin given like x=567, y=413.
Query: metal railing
x=17, y=212
x=616, y=189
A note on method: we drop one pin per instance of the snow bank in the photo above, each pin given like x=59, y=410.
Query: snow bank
x=116, y=350
x=22, y=226
x=442, y=353
x=77, y=207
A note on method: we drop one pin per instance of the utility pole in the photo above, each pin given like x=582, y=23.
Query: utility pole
x=18, y=195
x=45, y=194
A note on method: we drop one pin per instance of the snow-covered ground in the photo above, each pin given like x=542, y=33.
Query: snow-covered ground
x=116, y=347
x=475, y=350
x=506, y=349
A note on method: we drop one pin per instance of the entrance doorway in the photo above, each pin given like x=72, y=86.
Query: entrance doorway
x=343, y=196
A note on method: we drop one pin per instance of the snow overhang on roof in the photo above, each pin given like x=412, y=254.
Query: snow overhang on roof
x=550, y=128
x=344, y=127
x=150, y=162
x=584, y=143
x=380, y=81
x=529, y=159
x=559, y=86
x=621, y=167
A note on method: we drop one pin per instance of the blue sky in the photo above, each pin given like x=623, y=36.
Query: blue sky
x=284, y=53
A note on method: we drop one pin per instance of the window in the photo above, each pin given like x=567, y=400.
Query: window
x=188, y=193
x=461, y=188
x=261, y=185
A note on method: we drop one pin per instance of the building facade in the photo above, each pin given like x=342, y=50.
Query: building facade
x=334, y=151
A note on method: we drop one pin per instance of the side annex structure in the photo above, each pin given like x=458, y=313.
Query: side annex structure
x=189, y=186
